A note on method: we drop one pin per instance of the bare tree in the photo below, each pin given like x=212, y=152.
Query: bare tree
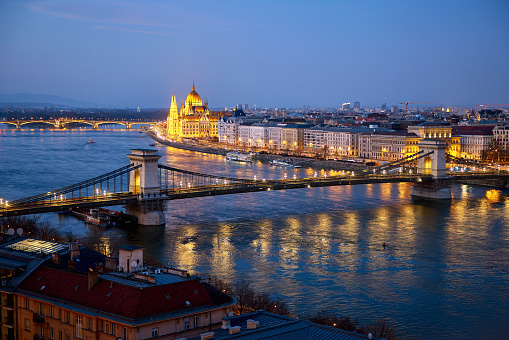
x=380, y=329
x=242, y=292
x=48, y=232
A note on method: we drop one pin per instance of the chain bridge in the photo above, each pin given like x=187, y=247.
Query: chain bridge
x=61, y=123
x=144, y=185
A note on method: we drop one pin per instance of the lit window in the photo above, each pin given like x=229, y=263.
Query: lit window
x=79, y=326
x=155, y=332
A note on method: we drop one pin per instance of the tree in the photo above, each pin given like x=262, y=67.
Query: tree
x=243, y=293
x=380, y=329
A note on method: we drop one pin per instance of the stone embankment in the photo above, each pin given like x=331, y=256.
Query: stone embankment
x=265, y=158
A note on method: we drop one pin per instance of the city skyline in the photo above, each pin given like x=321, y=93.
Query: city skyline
x=282, y=54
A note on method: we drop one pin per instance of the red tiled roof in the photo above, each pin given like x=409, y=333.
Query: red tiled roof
x=116, y=298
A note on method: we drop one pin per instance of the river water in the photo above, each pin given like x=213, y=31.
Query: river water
x=443, y=273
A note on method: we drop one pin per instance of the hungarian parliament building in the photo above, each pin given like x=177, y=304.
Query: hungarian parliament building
x=194, y=119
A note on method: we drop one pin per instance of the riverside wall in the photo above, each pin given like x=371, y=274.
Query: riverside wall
x=265, y=158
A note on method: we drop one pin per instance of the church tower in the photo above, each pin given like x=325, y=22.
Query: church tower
x=173, y=119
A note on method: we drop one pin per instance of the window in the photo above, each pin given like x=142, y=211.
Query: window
x=155, y=332
x=79, y=326
x=41, y=332
x=195, y=321
x=27, y=303
x=51, y=333
x=89, y=323
x=68, y=314
x=27, y=324
x=41, y=309
x=124, y=333
x=60, y=335
x=68, y=336
x=51, y=310
x=101, y=325
x=186, y=321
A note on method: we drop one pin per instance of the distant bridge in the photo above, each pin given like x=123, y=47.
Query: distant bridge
x=144, y=185
x=65, y=122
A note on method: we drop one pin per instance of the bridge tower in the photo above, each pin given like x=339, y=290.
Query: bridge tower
x=438, y=185
x=144, y=181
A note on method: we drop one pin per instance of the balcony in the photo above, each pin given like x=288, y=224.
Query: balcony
x=9, y=322
x=38, y=319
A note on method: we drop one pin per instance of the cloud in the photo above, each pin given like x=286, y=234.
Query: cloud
x=106, y=12
x=125, y=29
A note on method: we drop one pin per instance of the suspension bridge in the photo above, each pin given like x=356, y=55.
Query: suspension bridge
x=144, y=185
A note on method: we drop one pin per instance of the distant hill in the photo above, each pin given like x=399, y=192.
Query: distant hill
x=38, y=100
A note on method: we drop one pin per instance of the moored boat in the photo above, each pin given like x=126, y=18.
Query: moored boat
x=239, y=156
x=280, y=162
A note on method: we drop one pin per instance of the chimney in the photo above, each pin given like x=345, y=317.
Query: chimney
x=93, y=277
x=226, y=323
x=74, y=250
x=234, y=330
x=207, y=336
x=55, y=258
x=252, y=324
x=111, y=264
x=99, y=267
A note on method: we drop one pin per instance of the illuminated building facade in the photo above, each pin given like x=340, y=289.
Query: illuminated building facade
x=194, y=119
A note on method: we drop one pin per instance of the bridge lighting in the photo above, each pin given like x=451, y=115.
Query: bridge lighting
x=6, y=203
x=353, y=173
x=316, y=174
x=181, y=184
x=384, y=172
x=255, y=177
x=104, y=192
x=285, y=176
x=309, y=186
x=263, y=180
x=188, y=185
x=483, y=169
x=61, y=197
x=419, y=179
x=401, y=170
x=410, y=171
x=1, y=201
x=294, y=177
x=97, y=191
x=325, y=175
x=268, y=189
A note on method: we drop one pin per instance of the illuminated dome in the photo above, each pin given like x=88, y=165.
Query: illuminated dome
x=193, y=98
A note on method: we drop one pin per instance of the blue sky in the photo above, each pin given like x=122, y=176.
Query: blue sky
x=268, y=53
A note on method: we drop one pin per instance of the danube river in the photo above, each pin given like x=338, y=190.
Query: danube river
x=443, y=273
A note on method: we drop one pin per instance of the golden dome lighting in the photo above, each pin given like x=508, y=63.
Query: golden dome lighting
x=193, y=98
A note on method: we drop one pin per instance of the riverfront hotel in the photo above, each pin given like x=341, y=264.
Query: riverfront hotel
x=193, y=120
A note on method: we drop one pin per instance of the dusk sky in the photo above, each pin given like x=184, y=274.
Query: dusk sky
x=263, y=53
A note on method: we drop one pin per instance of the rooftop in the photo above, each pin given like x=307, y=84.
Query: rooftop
x=277, y=327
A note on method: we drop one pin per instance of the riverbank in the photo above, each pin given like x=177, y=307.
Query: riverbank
x=313, y=163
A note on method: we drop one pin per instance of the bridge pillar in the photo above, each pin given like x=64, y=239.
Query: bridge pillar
x=144, y=181
x=434, y=164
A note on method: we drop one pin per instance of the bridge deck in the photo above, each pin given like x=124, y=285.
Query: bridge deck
x=245, y=186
